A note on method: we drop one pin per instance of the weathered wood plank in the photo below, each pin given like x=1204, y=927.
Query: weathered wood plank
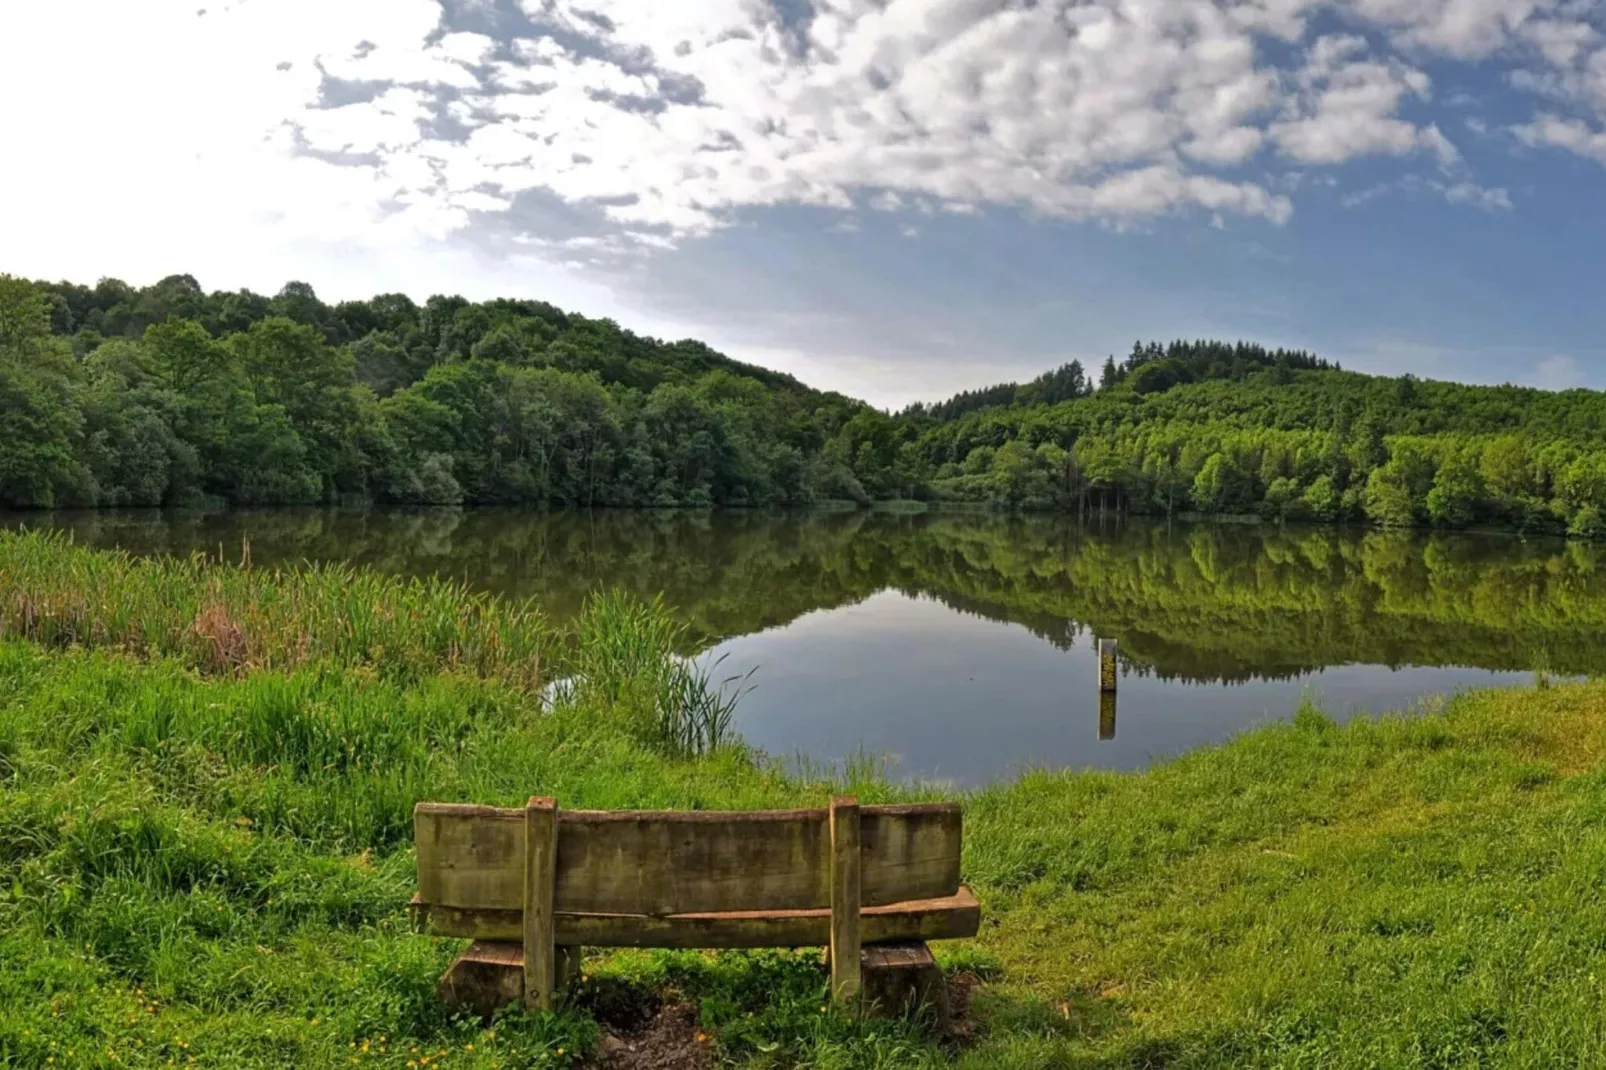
x=846, y=868
x=539, y=932
x=469, y=856
x=630, y=863
x=662, y=863
x=948, y=918
x=910, y=852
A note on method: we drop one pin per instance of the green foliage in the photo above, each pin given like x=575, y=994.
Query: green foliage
x=1221, y=485
x=170, y=395
x=282, y=400
x=1458, y=489
x=1286, y=436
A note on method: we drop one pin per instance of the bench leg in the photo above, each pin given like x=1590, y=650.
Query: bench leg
x=490, y=974
x=487, y=975
x=903, y=979
x=568, y=970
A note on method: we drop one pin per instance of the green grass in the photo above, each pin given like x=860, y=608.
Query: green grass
x=625, y=661
x=208, y=861
x=224, y=619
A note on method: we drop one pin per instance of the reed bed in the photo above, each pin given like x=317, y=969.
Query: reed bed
x=626, y=661
x=223, y=618
x=622, y=658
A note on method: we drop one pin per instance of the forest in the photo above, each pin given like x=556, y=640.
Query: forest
x=171, y=395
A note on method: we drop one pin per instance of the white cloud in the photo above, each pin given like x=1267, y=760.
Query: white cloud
x=1558, y=372
x=1561, y=41
x=669, y=120
x=1490, y=199
x=1348, y=107
x=1569, y=69
x=1554, y=131
x=1461, y=192
x=1466, y=29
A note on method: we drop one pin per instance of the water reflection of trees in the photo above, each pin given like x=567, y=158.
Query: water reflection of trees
x=1205, y=603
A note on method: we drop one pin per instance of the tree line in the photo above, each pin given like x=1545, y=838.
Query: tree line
x=169, y=394
x=1288, y=443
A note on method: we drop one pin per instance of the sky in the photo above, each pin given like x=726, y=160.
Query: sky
x=897, y=199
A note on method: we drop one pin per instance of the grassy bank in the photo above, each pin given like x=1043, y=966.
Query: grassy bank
x=203, y=862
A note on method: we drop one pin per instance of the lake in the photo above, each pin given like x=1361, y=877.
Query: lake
x=961, y=647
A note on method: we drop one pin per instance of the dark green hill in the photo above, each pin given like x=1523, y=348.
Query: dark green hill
x=113, y=395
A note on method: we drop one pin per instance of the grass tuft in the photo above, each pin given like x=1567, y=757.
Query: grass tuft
x=627, y=662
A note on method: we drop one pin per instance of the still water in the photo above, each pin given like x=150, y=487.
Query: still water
x=962, y=647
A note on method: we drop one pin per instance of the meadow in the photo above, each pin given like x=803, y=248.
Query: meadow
x=207, y=772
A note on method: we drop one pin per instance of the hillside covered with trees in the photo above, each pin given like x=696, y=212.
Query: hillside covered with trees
x=168, y=395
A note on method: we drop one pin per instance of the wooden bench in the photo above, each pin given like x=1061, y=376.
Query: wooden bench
x=531, y=886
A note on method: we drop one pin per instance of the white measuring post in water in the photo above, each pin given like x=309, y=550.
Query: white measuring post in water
x=1106, y=666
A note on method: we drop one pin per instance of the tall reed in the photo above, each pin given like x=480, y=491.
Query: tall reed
x=223, y=618
x=626, y=661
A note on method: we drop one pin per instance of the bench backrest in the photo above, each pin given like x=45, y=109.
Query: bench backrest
x=684, y=862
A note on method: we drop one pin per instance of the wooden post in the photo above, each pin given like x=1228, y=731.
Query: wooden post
x=845, y=870
x=1106, y=714
x=540, y=877
x=1107, y=675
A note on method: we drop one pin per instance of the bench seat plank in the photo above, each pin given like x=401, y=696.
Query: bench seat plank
x=949, y=918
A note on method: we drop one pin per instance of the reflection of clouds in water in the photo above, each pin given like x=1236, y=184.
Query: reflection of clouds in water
x=971, y=700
